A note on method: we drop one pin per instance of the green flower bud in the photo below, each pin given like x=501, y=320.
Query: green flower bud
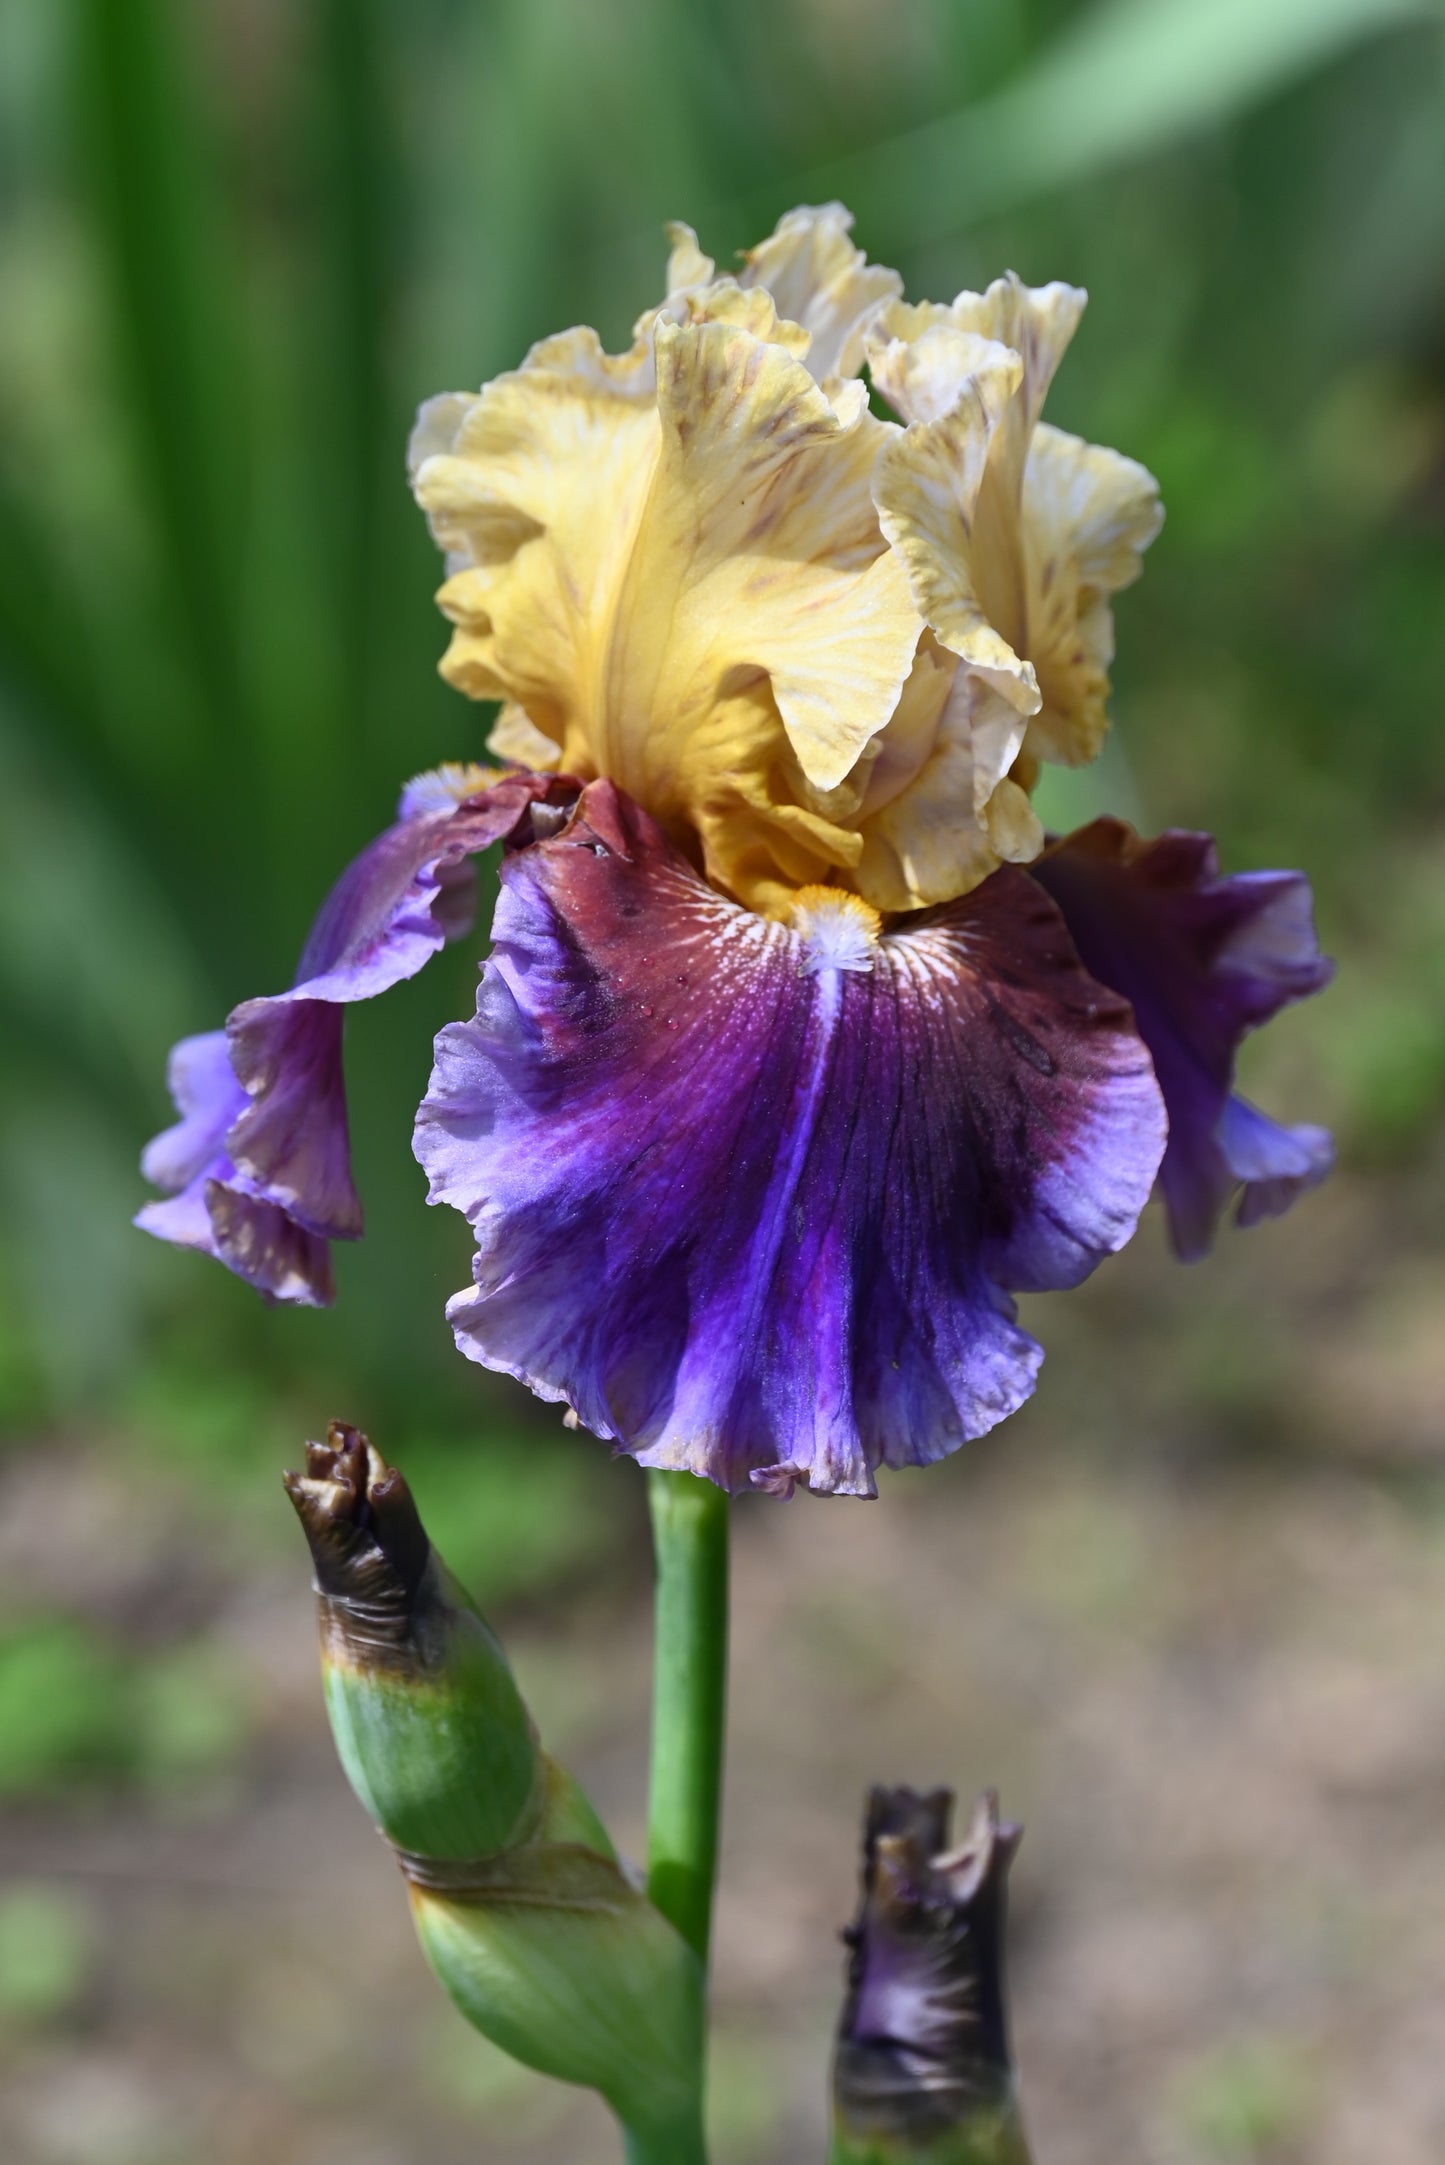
x=923, y=2073
x=428, y=1721
x=522, y=1908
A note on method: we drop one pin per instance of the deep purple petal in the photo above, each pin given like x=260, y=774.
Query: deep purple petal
x=1203, y=959
x=408, y=892
x=261, y=1154
x=216, y=1209
x=754, y=1214
x=292, y=1139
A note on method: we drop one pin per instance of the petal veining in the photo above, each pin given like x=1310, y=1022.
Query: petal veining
x=754, y=1212
x=760, y=553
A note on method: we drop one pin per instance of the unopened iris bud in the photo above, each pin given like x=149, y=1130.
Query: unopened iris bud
x=427, y=1718
x=522, y=1908
x=923, y=2071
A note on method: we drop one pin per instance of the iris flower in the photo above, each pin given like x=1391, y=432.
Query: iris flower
x=801, y=1048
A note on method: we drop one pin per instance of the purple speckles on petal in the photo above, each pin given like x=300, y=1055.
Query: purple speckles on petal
x=261, y=1156
x=1203, y=959
x=757, y=1219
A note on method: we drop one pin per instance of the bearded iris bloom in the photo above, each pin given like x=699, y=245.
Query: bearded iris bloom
x=801, y=1049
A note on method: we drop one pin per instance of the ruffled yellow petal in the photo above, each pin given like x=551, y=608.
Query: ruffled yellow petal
x=721, y=300
x=1088, y=516
x=934, y=832
x=759, y=555
x=671, y=563
x=1037, y=323
x=686, y=265
x=537, y=501
x=814, y=275
x=763, y=830
x=1012, y=545
x=819, y=279
x=704, y=568
x=922, y=362
x=1013, y=826
x=927, y=490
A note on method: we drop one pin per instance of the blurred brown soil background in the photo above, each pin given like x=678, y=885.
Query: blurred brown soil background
x=1182, y=1612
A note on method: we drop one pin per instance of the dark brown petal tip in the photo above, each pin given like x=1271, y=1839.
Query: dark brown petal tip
x=368, y=1545
x=908, y=1815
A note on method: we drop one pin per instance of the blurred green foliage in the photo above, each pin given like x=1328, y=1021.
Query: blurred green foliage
x=1242, y=2103
x=76, y=1710
x=238, y=243
x=46, y=1951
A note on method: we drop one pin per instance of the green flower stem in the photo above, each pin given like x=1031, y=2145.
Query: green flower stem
x=677, y=2144
x=690, y=1536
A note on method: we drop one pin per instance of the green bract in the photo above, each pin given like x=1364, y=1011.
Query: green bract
x=522, y=1908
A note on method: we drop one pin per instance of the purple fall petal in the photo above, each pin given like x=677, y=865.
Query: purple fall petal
x=261, y=1155
x=292, y=1138
x=208, y=1098
x=261, y=1243
x=1203, y=959
x=216, y=1209
x=1275, y=1163
x=750, y=1202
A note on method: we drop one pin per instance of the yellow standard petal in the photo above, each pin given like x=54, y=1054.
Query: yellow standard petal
x=686, y=265
x=670, y=562
x=515, y=736
x=940, y=813
x=1088, y=516
x=928, y=488
x=824, y=649
x=818, y=278
x=1012, y=543
x=814, y=274
x=536, y=503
